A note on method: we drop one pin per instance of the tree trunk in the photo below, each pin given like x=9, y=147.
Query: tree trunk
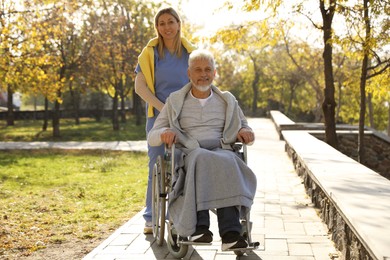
x=122, y=99
x=97, y=101
x=56, y=117
x=292, y=94
x=137, y=108
x=115, y=120
x=362, y=110
x=339, y=98
x=370, y=110
x=75, y=102
x=255, y=93
x=35, y=107
x=388, y=121
x=329, y=104
x=10, y=107
x=45, y=115
x=255, y=88
x=363, y=79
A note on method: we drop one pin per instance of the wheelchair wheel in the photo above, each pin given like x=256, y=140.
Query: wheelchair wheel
x=176, y=250
x=158, y=201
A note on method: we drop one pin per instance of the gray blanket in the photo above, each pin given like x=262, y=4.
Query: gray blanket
x=206, y=180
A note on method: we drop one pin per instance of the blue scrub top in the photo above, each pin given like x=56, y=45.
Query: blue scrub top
x=170, y=73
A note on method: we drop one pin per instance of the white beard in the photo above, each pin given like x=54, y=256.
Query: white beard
x=202, y=88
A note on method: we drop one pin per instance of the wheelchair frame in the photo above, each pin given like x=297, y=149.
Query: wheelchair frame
x=161, y=186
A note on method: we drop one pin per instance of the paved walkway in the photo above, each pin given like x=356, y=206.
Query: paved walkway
x=284, y=220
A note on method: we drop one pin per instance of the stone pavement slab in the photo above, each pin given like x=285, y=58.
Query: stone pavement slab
x=284, y=220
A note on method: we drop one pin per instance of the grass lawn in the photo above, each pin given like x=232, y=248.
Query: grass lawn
x=88, y=130
x=53, y=196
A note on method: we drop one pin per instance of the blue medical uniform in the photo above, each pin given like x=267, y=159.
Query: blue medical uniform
x=170, y=75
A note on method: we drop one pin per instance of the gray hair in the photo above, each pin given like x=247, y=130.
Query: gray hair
x=201, y=55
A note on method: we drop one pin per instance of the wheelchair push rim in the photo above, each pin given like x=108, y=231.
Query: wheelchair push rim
x=158, y=201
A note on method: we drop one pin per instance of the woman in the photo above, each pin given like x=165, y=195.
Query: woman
x=162, y=69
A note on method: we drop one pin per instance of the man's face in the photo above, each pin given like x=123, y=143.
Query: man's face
x=201, y=73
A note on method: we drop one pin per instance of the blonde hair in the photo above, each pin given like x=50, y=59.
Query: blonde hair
x=177, y=43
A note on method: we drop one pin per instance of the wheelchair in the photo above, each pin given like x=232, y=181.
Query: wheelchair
x=162, y=181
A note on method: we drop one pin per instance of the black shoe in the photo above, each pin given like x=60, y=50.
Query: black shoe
x=201, y=236
x=233, y=240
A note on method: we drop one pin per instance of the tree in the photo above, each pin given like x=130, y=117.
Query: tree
x=11, y=38
x=54, y=34
x=122, y=26
x=363, y=79
x=142, y=31
x=367, y=40
x=290, y=77
x=253, y=41
x=367, y=49
x=329, y=104
x=328, y=10
x=306, y=60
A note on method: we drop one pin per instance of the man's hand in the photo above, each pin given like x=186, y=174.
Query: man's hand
x=168, y=137
x=246, y=136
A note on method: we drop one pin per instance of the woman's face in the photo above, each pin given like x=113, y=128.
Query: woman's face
x=167, y=26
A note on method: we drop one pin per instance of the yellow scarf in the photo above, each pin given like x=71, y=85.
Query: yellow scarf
x=146, y=62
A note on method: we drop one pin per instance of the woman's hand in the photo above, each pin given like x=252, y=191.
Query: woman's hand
x=246, y=136
x=168, y=137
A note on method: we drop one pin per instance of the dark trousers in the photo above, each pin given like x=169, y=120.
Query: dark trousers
x=228, y=219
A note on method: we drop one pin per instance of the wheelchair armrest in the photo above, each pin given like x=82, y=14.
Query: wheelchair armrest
x=241, y=149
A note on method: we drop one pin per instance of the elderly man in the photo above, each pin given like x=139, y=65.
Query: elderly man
x=204, y=122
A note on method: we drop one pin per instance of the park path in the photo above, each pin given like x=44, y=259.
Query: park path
x=284, y=220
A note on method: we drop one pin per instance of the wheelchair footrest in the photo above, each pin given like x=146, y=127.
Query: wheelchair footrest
x=185, y=241
x=194, y=243
x=251, y=247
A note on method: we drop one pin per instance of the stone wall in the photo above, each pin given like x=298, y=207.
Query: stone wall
x=344, y=238
x=336, y=191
